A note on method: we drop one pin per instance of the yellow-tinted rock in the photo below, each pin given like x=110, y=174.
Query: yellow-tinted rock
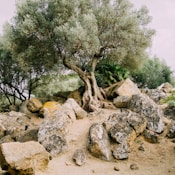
x=34, y=105
x=49, y=108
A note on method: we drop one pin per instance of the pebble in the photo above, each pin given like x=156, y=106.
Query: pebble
x=116, y=168
x=134, y=167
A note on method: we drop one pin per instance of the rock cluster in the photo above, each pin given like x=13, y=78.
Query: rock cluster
x=136, y=114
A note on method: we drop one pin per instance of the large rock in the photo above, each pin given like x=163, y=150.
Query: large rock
x=23, y=158
x=166, y=87
x=155, y=94
x=121, y=151
x=53, y=130
x=18, y=127
x=147, y=108
x=49, y=108
x=123, y=88
x=98, y=143
x=122, y=133
x=121, y=101
x=34, y=105
x=125, y=126
x=73, y=110
x=52, y=134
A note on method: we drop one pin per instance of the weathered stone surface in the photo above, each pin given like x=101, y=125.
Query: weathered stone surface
x=124, y=88
x=171, y=130
x=169, y=111
x=122, y=133
x=150, y=136
x=166, y=87
x=98, y=143
x=23, y=158
x=52, y=133
x=125, y=126
x=17, y=125
x=34, y=105
x=121, y=101
x=49, y=108
x=79, y=157
x=155, y=94
x=120, y=151
x=72, y=105
x=146, y=107
x=24, y=109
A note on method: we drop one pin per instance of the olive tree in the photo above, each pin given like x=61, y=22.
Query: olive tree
x=78, y=34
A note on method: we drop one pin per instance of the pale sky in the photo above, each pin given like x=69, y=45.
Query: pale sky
x=162, y=12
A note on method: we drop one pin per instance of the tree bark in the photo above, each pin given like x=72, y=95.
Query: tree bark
x=93, y=95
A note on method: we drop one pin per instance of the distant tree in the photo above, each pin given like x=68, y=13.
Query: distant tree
x=78, y=34
x=153, y=73
x=16, y=82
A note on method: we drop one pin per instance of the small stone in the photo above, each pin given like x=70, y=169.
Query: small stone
x=173, y=140
x=141, y=148
x=116, y=168
x=79, y=157
x=150, y=136
x=134, y=167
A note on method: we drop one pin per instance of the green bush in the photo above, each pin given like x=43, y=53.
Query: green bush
x=153, y=73
x=107, y=73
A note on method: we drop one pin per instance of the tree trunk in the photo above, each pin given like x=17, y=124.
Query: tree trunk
x=93, y=95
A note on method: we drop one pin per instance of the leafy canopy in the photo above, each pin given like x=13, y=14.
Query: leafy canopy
x=77, y=31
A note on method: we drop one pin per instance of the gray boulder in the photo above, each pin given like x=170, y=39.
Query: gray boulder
x=18, y=127
x=121, y=101
x=125, y=126
x=147, y=108
x=121, y=151
x=98, y=143
x=52, y=134
x=171, y=130
x=155, y=94
x=54, y=128
x=151, y=136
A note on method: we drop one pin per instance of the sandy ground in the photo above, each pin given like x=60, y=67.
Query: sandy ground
x=156, y=159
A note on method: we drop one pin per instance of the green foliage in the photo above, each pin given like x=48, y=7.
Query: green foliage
x=77, y=31
x=170, y=99
x=16, y=82
x=153, y=73
x=107, y=72
x=52, y=84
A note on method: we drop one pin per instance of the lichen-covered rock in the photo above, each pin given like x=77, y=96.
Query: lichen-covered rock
x=23, y=158
x=79, y=157
x=49, y=108
x=123, y=88
x=34, y=105
x=146, y=107
x=125, y=126
x=121, y=101
x=72, y=105
x=17, y=126
x=98, y=143
x=122, y=133
x=155, y=94
x=151, y=136
x=171, y=130
x=52, y=133
x=120, y=151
